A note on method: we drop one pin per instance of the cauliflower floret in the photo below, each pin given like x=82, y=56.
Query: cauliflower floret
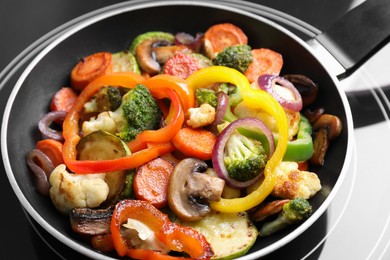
x=70, y=191
x=91, y=106
x=201, y=116
x=104, y=121
x=292, y=183
x=293, y=118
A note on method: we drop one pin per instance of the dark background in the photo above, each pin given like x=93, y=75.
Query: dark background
x=22, y=22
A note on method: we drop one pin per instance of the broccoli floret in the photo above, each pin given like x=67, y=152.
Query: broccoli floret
x=294, y=211
x=109, y=98
x=205, y=95
x=106, y=99
x=237, y=57
x=244, y=157
x=138, y=111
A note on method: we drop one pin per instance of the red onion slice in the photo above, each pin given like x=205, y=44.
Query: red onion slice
x=188, y=40
x=46, y=121
x=269, y=82
x=41, y=166
x=222, y=105
x=218, y=152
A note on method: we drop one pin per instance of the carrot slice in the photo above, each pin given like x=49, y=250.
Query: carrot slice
x=265, y=61
x=223, y=35
x=89, y=68
x=52, y=148
x=63, y=99
x=181, y=65
x=198, y=143
x=151, y=182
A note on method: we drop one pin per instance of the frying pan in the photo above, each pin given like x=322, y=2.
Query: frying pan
x=113, y=31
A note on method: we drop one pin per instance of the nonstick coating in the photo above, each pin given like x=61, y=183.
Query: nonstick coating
x=114, y=33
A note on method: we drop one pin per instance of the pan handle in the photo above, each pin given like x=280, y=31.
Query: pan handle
x=357, y=35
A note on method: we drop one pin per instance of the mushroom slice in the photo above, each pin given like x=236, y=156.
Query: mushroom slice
x=163, y=53
x=328, y=127
x=190, y=191
x=268, y=209
x=88, y=221
x=146, y=57
x=331, y=122
x=305, y=86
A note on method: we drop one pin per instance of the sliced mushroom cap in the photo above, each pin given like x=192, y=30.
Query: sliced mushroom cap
x=191, y=191
x=320, y=145
x=268, y=209
x=145, y=55
x=331, y=122
x=163, y=53
x=89, y=222
x=313, y=115
x=327, y=127
x=305, y=86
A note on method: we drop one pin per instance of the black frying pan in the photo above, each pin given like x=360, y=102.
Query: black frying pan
x=113, y=31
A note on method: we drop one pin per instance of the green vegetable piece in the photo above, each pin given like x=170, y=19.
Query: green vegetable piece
x=237, y=57
x=300, y=149
x=202, y=60
x=231, y=235
x=293, y=212
x=205, y=95
x=234, y=98
x=244, y=158
x=139, y=111
x=125, y=61
x=106, y=99
x=127, y=188
x=164, y=36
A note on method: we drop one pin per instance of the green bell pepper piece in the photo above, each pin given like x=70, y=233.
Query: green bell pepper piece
x=300, y=149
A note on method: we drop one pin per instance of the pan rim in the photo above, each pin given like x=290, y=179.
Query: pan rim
x=122, y=9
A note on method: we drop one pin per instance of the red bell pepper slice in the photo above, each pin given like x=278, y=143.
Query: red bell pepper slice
x=174, y=236
x=181, y=238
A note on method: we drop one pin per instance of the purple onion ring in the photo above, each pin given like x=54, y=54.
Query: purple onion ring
x=267, y=82
x=41, y=166
x=222, y=105
x=188, y=40
x=218, y=152
x=46, y=121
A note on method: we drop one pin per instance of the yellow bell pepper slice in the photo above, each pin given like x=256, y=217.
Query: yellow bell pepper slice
x=254, y=98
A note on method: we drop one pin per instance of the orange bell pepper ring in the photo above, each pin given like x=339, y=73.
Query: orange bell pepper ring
x=147, y=146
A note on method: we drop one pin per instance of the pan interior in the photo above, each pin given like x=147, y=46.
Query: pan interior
x=115, y=33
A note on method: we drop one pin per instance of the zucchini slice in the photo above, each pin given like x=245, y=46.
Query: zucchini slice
x=125, y=61
x=102, y=145
x=231, y=235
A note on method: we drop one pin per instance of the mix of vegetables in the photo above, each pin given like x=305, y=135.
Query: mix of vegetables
x=182, y=146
